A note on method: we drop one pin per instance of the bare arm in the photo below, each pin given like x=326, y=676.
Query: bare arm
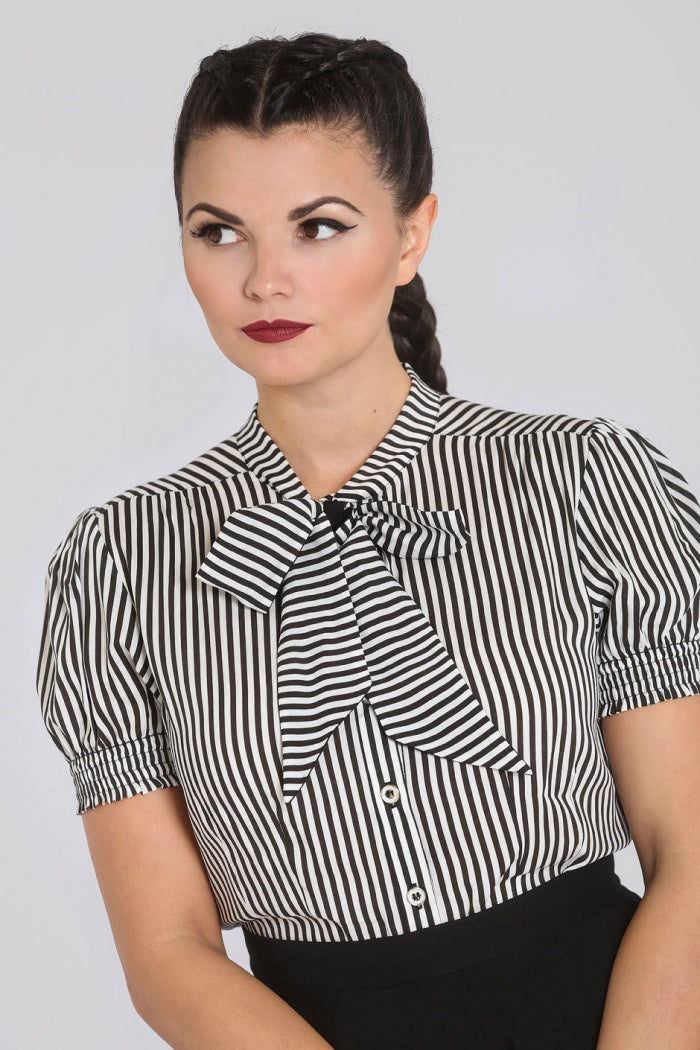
x=653, y=998
x=167, y=933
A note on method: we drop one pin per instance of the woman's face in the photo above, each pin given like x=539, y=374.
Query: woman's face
x=259, y=246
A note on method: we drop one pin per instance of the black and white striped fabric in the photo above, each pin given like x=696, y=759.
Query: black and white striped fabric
x=383, y=708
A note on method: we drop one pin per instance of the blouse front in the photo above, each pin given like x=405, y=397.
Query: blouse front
x=383, y=709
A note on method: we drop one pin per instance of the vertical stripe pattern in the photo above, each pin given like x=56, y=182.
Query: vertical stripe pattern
x=383, y=710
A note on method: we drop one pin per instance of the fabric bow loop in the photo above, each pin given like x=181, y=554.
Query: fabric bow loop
x=256, y=548
x=410, y=532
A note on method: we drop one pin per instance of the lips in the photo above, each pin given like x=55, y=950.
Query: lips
x=276, y=331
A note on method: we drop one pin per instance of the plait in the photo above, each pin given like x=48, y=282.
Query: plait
x=306, y=67
x=352, y=56
x=217, y=66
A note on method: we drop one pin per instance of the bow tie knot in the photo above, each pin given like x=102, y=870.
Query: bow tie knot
x=257, y=546
x=337, y=510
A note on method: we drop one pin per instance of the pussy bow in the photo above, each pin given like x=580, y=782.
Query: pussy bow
x=349, y=632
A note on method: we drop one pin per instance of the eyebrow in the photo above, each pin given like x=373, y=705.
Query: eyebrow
x=296, y=213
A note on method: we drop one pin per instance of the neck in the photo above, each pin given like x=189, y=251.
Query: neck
x=327, y=429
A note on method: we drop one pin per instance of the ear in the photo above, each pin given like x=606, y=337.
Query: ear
x=417, y=228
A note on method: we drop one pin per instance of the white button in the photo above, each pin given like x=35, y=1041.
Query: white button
x=415, y=896
x=391, y=794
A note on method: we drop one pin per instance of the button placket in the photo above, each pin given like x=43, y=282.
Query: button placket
x=412, y=870
x=389, y=791
x=422, y=888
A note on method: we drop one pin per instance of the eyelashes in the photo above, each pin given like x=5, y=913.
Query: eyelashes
x=214, y=232
x=207, y=229
x=332, y=224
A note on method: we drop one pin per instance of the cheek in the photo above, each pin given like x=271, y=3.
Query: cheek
x=363, y=284
x=206, y=281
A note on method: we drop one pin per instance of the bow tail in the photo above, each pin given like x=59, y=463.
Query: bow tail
x=420, y=696
x=321, y=670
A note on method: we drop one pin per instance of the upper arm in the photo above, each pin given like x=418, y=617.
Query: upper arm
x=99, y=697
x=654, y=755
x=638, y=539
x=152, y=879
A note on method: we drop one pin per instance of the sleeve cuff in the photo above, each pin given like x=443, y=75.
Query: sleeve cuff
x=132, y=767
x=664, y=673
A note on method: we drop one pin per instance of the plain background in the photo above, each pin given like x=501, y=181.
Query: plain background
x=564, y=269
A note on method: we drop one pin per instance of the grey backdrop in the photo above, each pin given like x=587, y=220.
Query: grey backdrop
x=564, y=268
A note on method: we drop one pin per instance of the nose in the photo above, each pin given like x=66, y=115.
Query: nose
x=269, y=274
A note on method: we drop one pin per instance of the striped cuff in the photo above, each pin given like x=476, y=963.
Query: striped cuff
x=133, y=767
x=664, y=673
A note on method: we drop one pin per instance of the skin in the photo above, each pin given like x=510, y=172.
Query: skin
x=653, y=1000
x=329, y=396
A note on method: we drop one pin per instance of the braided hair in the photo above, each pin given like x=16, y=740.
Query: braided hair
x=316, y=79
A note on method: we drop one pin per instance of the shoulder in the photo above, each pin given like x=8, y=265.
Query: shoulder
x=131, y=518
x=461, y=417
x=203, y=475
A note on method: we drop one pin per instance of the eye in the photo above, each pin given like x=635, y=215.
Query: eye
x=323, y=229
x=215, y=233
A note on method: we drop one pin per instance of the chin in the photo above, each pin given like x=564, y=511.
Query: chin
x=272, y=365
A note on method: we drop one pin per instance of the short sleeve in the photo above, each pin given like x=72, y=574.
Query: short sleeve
x=98, y=699
x=638, y=533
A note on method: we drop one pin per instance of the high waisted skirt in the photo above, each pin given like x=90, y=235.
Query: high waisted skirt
x=528, y=974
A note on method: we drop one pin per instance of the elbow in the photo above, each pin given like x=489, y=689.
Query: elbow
x=146, y=985
x=155, y=982
x=140, y=1001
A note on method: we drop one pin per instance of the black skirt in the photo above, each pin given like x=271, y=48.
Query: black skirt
x=528, y=974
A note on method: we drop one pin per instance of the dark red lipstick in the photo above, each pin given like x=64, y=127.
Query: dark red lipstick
x=277, y=331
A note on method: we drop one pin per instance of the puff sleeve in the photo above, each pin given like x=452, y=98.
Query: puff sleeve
x=98, y=699
x=638, y=534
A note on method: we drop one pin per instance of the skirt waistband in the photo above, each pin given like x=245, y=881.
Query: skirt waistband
x=436, y=950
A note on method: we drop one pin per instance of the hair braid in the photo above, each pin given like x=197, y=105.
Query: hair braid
x=413, y=323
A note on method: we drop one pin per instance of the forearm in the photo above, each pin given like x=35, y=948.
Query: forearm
x=196, y=998
x=653, y=1000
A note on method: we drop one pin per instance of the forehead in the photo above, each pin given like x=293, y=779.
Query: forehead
x=292, y=160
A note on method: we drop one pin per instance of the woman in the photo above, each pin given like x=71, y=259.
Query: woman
x=396, y=659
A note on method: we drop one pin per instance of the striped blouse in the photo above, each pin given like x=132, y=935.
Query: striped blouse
x=383, y=708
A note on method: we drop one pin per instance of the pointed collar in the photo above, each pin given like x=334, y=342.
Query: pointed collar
x=409, y=432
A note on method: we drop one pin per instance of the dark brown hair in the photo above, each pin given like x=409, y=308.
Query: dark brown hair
x=316, y=79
